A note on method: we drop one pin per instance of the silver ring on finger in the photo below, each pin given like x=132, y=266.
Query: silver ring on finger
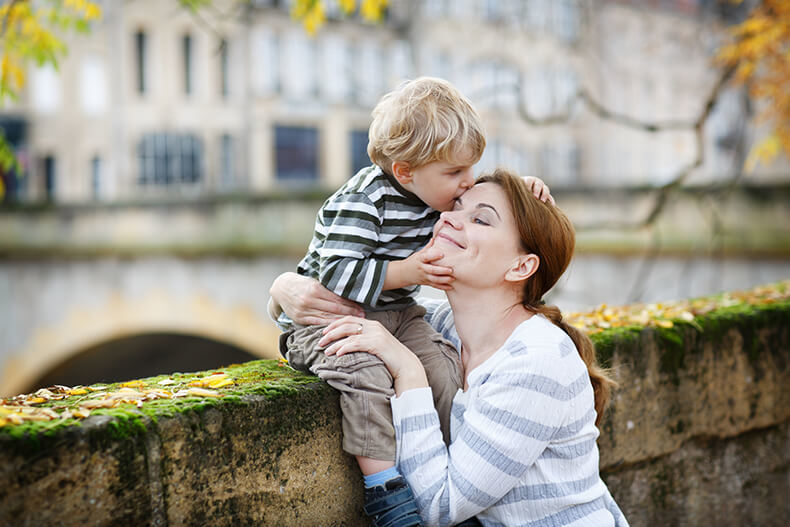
x=359, y=329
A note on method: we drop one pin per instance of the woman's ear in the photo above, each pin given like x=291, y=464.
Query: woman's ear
x=402, y=172
x=523, y=267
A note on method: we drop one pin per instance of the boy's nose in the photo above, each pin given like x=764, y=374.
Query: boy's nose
x=468, y=179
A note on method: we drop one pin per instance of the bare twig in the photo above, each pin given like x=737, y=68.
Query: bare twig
x=664, y=192
x=628, y=121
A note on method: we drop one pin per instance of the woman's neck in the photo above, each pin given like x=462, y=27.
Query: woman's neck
x=484, y=320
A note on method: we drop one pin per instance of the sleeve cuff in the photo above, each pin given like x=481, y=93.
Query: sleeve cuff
x=412, y=402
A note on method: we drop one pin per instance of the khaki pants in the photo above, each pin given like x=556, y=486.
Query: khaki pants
x=365, y=384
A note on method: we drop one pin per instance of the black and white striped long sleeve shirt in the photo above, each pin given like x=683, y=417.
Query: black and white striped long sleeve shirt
x=370, y=221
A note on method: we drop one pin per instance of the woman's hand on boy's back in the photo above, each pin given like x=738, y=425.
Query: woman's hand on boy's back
x=307, y=302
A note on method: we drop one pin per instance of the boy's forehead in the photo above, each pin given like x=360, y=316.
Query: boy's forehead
x=463, y=157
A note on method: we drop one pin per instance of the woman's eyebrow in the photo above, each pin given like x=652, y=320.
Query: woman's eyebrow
x=487, y=206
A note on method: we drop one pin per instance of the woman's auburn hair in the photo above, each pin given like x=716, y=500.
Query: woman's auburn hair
x=544, y=230
x=424, y=120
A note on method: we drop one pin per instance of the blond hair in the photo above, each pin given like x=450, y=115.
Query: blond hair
x=546, y=231
x=425, y=120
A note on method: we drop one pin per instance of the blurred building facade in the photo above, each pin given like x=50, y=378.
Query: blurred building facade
x=157, y=101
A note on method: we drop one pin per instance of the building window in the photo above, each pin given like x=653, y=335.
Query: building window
x=298, y=82
x=227, y=169
x=223, y=67
x=369, y=72
x=561, y=162
x=96, y=177
x=491, y=10
x=265, y=62
x=297, y=153
x=567, y=20
x=484, y=89
x=141, y=44
x=434, y=8
x=400, y=65
x=187, y=52
x=170, y=159
x=50, y=166
x=359, y=150
x=93, y=85
x=46, y=89
x=537, y=14
x=14, y=131
x=336, y=65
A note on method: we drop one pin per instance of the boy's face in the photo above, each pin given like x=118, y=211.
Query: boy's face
x=440, y=183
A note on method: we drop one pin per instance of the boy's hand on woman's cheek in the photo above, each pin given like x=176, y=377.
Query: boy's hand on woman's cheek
x=431, y=273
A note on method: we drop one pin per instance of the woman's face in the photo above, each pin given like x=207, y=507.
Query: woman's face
x=478, y=237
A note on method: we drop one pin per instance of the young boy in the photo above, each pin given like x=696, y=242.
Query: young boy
x=369, y=246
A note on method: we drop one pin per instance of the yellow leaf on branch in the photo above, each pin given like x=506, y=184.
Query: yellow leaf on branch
x=760, y=53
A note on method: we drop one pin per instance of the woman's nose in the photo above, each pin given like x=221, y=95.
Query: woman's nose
x=451, y=218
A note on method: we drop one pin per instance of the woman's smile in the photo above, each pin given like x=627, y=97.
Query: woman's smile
x=443, y=236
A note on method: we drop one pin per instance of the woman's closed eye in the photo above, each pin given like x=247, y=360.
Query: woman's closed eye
x=480, y=220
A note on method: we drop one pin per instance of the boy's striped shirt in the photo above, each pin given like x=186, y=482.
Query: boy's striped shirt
x=370, y=221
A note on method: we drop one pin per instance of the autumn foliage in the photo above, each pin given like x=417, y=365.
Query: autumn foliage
x=313, y=15
x=760, y=53
x=29, y=34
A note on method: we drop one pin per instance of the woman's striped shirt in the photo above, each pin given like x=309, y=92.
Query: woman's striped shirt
x=523, y=448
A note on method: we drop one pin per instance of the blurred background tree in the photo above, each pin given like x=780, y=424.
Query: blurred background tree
x=29, y=34
x=759, y=51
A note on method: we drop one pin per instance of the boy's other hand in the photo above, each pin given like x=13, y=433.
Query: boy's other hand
x=539, y=189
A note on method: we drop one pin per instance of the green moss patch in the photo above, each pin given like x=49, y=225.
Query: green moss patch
x=710, y=319
x=130, y=405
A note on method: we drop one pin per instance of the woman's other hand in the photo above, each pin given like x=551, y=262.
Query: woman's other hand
x=307, y=302
x=353, y=335
x=539, y=189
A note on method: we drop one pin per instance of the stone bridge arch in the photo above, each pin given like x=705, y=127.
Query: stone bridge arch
x=117, y=317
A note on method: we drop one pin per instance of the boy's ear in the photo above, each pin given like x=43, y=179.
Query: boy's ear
x=402, y=172
x=523, y=267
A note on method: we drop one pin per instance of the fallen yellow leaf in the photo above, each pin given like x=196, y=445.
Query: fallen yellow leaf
x=219, y=383
x=202, y=392
x=101, y=403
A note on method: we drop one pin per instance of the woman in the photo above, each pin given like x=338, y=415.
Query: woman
x=523, y=428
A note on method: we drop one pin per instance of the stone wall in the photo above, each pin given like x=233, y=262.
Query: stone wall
x=698, y=434
x=751, y=220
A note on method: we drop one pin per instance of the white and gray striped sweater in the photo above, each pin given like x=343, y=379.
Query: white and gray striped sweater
x=368, y=222
x=523, y=448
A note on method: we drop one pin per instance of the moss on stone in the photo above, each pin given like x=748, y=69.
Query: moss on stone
x=270, y=379
x=675, y=343
x=611, y=340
